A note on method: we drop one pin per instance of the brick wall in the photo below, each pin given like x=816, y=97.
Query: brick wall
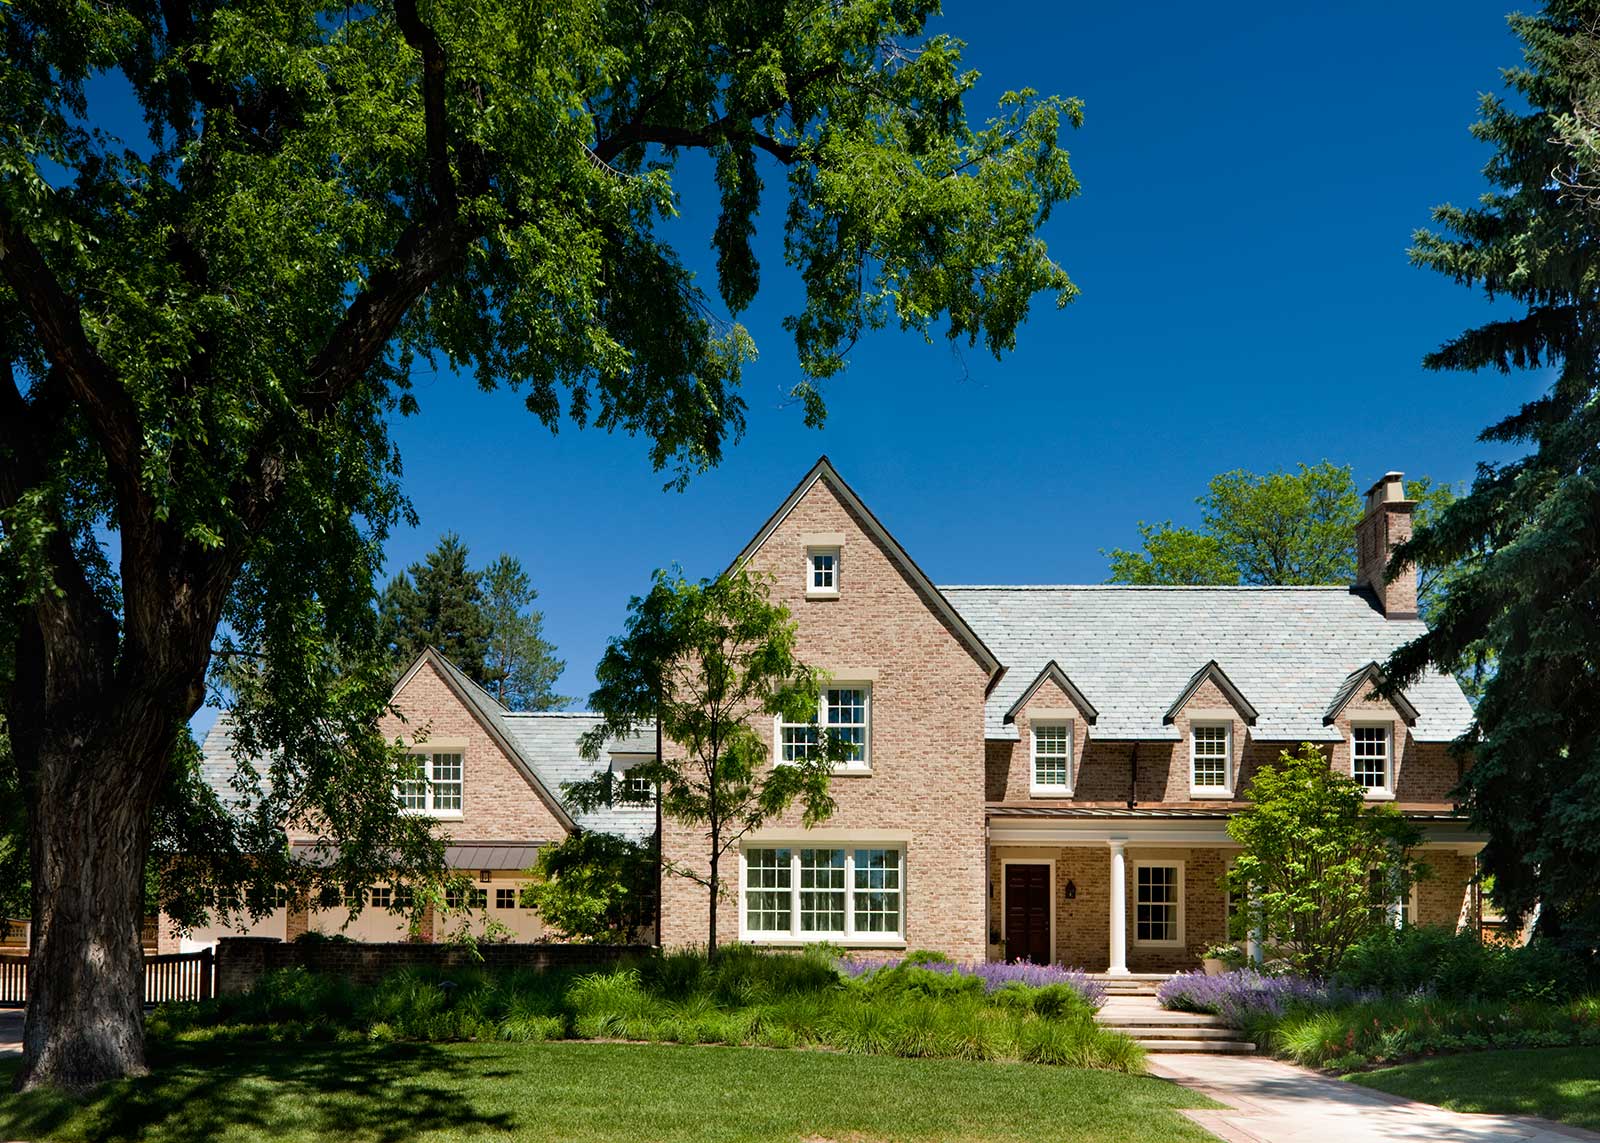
x=241, y=961
x=927, y=750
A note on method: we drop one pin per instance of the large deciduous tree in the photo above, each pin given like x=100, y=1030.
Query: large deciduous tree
x=204, y=332
x=1528, y=531
x=703, y=662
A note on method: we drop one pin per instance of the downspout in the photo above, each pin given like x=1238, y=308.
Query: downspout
x=1133, y=777
x=660, y=887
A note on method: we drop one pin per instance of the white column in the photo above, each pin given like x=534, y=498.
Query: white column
x=1256, y=940
x=1119, y=909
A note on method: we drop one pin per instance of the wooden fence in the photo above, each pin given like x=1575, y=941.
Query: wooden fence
x=169, y=976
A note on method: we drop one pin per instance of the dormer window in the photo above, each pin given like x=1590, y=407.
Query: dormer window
x=1211, y=760
x=822, y=572
x=1052, y=759
x=1372, y=758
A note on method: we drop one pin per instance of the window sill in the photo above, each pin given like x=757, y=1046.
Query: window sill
x=852, y=771
x=437, y=815
x=1380, y=795
x=810, y=594
x=858, y=942
x=1049, y=791
x=1202, y=792
x=1158, y=944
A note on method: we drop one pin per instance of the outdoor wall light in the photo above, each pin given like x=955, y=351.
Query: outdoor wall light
x=484, y=876
x=1072, y=890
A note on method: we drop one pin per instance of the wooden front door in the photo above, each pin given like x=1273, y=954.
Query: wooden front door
x=1028, y=913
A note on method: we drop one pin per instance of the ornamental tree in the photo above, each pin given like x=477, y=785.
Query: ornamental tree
x=701, y=663
x=1312, y=849
x=595, y=887
x=1528, y=530
x=206, y=332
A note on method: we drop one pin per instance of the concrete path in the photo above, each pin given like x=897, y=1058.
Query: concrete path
x=10, y=1030
x=1274, y=1102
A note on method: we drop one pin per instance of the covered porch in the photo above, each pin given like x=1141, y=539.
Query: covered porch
x=1128, y=892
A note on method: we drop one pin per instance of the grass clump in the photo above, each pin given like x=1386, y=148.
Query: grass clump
x=919, y=1008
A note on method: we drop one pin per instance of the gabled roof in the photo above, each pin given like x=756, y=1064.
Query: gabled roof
x=1215, y=674
x=1361, y=682
x=824, y=470
x=1134, y=648
x=488, y=712
x=1053, y=673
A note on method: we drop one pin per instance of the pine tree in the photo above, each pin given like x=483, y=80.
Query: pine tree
x=521, y=666
x=438, y=602
x=1528, y=532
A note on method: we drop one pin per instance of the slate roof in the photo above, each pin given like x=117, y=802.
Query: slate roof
x=1132, y=650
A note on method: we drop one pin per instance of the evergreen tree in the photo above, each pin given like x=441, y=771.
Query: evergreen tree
x=1528, y=531
x=521, y=666
x=438, y=602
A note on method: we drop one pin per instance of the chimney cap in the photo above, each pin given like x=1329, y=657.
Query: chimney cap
x=1390, y=489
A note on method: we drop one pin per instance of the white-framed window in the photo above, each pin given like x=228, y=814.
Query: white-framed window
x=1372, y=756
x=1052, y=758
x=1158, y=902
x=1396, y=908
x=797, y=894
x=1211, y=760
x=846, y=710
x=432, y=784
x=822, y=571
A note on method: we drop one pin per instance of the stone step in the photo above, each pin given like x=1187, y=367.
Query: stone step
x=1215, y=1047
x=1172, y=1032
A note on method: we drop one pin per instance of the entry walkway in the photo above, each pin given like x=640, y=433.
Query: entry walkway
x=1273, y=1102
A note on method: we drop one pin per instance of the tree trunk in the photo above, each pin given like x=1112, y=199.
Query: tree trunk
x=716, y=889
x=90, y=838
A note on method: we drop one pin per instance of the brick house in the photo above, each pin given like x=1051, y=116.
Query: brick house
x=1047, y=771
x=493, y=788
x=1041, y=771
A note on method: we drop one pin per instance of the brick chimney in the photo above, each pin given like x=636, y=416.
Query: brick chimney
x=1386, y=525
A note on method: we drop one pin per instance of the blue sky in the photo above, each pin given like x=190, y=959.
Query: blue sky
x=1251, y=177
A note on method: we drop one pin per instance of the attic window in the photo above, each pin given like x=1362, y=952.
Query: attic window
x=432, y=784
x=822, y=572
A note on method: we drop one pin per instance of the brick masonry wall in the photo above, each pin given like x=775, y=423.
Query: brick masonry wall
x=241, y=961
x=927, y=750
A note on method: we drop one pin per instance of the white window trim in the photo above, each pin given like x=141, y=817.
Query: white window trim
x=1050, y=789
x=1133, y=901
x=849, y=937
x=426, y=751
x=812, y=551
x=1226, y=789
x=1384, y=793
x=1009, y=861
x=862, y=766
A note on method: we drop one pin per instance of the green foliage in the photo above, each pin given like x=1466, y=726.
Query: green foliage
x=1311, y=849
x=1284, y=528
x=703, y=662
x=594, y=887
x=438, y=602
x=521, y=667
x=743, y=996
x=1458, y=965
x=1527, y=531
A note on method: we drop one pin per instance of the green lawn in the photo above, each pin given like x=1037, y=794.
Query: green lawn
x=1557, y=1083
x=586, y=1091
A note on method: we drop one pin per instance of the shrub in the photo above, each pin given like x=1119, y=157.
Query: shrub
x=1244, y=993
x=1436, y=959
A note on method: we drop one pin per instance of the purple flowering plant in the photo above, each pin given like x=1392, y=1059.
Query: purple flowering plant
x=1245, y=993
x=994, y=974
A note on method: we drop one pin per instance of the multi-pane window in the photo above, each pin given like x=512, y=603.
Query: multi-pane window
x=1052, y=755
x=431, y=783
x=640, y=787
x=823, y=894
x=380, y=896
x=1209, y=758
x=1156, y=904
x=768, y=899
x=822, y=571
x=1369, y=756
x=846, y=713
x=505, y=898
x=1389, y=904
x=822, y=890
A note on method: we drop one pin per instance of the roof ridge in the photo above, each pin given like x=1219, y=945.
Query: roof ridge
x=551, y=714
x=1347, y=588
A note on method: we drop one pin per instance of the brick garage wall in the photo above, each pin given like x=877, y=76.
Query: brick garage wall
x=241, y=961
x=1083, y=924
x=927, y=779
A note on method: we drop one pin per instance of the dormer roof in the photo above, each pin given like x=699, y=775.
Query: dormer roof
x=1358, y=684
x=1214, y=674
x=1053, y=673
